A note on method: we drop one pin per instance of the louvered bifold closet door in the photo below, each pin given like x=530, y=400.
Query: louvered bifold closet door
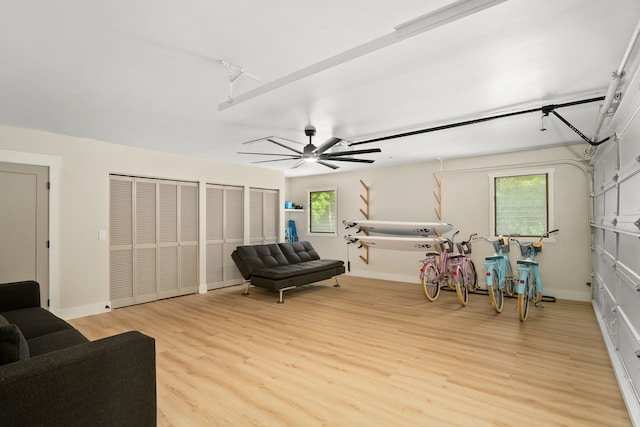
x=121, y=241
x=188, y=243
x=233, y=233
x=264, y=211
x=271, y=216
x=224, y=234
x=256, y=216
x=215, y=235
x=153, y=239
x=145, y=243
x=168, y=282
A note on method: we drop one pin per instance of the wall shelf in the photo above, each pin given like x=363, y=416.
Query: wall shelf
x=294, y=210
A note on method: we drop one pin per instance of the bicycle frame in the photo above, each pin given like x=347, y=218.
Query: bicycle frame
x=439, y=260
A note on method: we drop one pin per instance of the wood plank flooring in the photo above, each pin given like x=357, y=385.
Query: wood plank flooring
x=371, y=353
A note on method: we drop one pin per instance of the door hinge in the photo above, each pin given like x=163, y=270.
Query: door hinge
x=48, y=185
x=48, y=244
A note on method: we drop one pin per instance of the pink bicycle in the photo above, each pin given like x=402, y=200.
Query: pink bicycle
x=456, y=271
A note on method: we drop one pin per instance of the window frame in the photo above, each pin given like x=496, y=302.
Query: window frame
x=550, y=172
x=335, y=221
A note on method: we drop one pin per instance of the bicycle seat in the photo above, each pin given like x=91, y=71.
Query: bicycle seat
x=527, y=262
x=494, y=257
x=432, y=254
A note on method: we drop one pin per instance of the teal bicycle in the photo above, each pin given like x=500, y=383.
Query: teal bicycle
x=500, y=278
x=530, y=283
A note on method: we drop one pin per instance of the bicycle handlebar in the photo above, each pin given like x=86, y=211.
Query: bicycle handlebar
x=544, y=235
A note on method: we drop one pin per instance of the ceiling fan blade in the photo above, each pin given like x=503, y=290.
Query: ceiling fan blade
x=329, y=165
x=285, y=146
x=350, y=159
x=293, y=156
x=328, y=144
x=275, y=160
x=352, y=152
x=300, y=163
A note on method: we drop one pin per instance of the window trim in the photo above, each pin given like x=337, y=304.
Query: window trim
x=550, y=172
x=335, y=225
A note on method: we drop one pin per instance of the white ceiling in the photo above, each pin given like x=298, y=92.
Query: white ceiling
x=148, y=73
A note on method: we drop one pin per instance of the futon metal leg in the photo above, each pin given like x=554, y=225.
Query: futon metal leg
x=247, y=284
x=337, y=285
x=281, y=300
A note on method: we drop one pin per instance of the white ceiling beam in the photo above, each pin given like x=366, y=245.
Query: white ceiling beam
x=419, y=25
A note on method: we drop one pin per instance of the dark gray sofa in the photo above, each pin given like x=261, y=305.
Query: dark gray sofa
x=51, y=375
x=283, y=266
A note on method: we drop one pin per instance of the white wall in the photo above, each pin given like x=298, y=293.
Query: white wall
x=79, y=275
x=406, y=194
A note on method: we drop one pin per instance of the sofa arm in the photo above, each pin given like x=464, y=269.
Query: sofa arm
x=18, y=295
x=108, y=382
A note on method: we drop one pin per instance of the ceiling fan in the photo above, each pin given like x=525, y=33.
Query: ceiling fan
x=311, y=153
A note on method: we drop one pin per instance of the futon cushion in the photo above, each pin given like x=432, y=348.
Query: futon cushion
x=293, y=270
x=261, y=256
x=297, y=252
x=13, y=346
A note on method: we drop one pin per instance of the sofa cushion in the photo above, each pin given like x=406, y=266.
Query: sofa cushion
x=35, y=321
x=13, y=346
x=55, y=341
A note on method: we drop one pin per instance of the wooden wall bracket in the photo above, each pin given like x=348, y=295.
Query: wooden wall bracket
x=365, y=213
x=365, y=199
x=438, y=196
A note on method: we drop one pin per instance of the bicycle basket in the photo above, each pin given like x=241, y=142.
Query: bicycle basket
x=464, y=248
x=444, y=245
x=525, y=250
x=501, y=243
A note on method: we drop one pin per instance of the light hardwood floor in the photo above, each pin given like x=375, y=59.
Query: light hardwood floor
x=371, y=353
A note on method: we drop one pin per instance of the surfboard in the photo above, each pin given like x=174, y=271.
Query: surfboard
x=400, y=228
x=400, y=243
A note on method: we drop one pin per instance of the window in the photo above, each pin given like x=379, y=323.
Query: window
x=323, y=212
x=522, y=203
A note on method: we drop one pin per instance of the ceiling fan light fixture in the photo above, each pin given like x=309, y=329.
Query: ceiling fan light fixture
x=310, y=159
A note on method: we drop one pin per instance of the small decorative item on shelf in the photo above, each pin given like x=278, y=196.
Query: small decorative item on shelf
x=288, y=205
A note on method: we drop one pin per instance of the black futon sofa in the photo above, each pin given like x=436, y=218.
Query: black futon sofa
x=283, y=266
x=51, y=375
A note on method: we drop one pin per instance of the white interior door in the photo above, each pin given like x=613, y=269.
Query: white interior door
x=24, y=225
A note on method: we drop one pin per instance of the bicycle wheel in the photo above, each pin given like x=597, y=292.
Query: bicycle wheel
x=472, y=276
x=430, y=287
x=523, y=299
x=510, y=282
x=495, y=292
x=461, y=290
